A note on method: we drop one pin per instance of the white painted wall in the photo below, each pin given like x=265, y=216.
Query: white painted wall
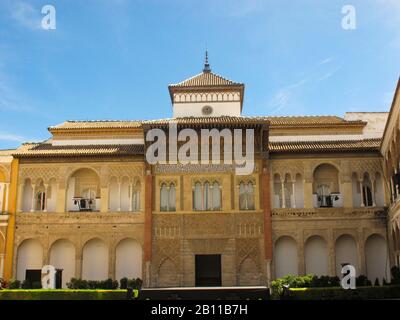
x=30, y=256
x=62, y=256
x=299, y=192
x=316, y=256
x=345, y=252
x=376, y=122
x=194, y=109
x=95, y=260
x=52, y=200
x=70, y=195
x=286, y=259
x=125, y=198
x=376, y=258
x=128, y=260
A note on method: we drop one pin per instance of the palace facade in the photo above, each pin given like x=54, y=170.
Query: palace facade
x=324, y=192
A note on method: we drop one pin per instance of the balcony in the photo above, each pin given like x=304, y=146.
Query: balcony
x=328, y=213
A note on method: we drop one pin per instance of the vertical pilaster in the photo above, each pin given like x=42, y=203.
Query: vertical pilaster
x=267, y=214
x=148, y=224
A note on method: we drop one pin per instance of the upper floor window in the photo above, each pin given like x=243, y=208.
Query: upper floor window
x=246, y=196
x=206, y=196
x=167, y=197
x=326, y=186
x=136, y=197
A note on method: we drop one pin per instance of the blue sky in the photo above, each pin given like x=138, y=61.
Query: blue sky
x=114, y=59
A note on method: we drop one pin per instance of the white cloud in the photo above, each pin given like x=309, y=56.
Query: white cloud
x=11, y=137
x=26, y=15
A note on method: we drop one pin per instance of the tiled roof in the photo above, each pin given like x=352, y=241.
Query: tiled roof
x=217, y=121
x=48, y=150
x=274, y=121
x=7, y=152
x=310, y=120
x=106, y=124
x=206, y=79
x=325, y=146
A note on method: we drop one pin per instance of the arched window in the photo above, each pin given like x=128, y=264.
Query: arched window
x=366, y=191
x=40, y=201
x=206, y=196
x=136, y=198
x=246, y=196
x=167, y=197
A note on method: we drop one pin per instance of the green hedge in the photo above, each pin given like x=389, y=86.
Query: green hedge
x=43, y=294
x=361, y=293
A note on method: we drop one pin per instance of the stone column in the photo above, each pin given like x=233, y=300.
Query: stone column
x=373, y=192
x=78, y=264
x=294, y=194
x=362, y=194
x=361, y=256
x=131, y=197
x=283, y=194
x=111, y=262
x=33, y=198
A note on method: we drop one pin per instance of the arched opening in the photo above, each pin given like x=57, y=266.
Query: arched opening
x=30, y=260
x=278, y=203
x=246, y=196
x=167, y=197
x=40, y=197
x=367, y=191
x=286, y=257
x=83, y=191
x=288, y=194
x=249, y=273
x=136, y=192
x=27, y=192
x=316, y=256
x=299, y=192
x=377, y=258
x=128, y=259
x=345, y=253
x=62, y=256
x=95, y=260
x=326, y=186
x=167, y=274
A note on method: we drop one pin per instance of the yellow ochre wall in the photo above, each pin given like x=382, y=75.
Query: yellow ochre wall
x=11, y=221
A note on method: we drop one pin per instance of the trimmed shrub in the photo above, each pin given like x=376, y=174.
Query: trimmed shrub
x=363, y=293
x=130, y=283
x=14, y=284
x=108, y=284
x=44, y=294
x=395, y=272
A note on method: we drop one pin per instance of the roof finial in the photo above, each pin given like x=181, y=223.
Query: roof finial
x=207, y=67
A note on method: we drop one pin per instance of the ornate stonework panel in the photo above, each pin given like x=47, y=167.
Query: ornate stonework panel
x=36, y=173
x=195, y=168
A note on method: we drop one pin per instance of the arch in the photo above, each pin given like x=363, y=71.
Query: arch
x=128, y=259
x=286, y=257
x=345, y=253
x=27, y=192
x=62, y=256
x=376, y=258
x=29, y=257
x=379, y=190
x=83, y=190
x=299, y=191
x=316, y=256
x=277, y=191
x=249, y=273
x=325, y=183
x=125, y=197
x=95, y=260
x=167, y=274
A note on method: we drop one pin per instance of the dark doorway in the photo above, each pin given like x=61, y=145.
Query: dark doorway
x=208, y=270
x=33, y=278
